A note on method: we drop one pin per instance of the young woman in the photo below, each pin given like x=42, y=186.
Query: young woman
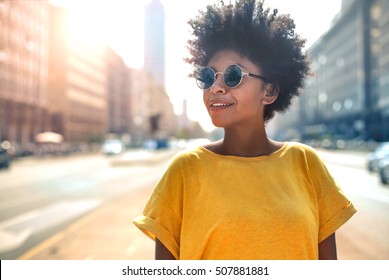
x=246, y=196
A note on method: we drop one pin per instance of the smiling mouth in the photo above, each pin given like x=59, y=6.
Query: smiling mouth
x=221, y=105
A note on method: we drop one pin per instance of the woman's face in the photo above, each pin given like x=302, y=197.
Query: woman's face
x=243, y=105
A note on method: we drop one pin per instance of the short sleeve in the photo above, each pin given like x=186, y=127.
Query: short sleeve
x=334, y=207
x=162, y=215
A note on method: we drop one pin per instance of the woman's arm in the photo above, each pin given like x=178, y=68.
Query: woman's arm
x=161, y=253
x=327, y=248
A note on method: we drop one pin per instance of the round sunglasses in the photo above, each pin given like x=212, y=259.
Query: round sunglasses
x=232, y=76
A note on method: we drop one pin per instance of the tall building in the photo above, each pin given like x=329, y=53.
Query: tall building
x=152, y=113
x=23, y=70
x=379, y=50
x=161, y=117
x=118, y=95
x=139, y=107
x=77, y=83
x=348, y=95
x=334, y=99
x=154, y=44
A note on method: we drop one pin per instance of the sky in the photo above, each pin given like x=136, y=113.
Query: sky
x=120, y=24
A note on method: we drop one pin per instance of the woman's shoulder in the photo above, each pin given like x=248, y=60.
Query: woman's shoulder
x=303, y=149
x=189, y=154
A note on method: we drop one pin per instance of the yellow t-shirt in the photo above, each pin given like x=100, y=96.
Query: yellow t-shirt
x=279, y=206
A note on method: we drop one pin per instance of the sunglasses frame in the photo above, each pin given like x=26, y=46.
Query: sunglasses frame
x=244, y=73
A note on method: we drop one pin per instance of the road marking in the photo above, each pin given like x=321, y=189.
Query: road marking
x=15, y=231
x=10, y=240
x=59, y=236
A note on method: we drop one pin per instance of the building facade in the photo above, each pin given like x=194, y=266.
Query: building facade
x=161, y=119
x=139, y=107
x=52, y=79
x=23, y=71
x=347, y=95
x=379, y=51
x=118, y=96
x=77, y=83
x=154, y=44
x=333, y=101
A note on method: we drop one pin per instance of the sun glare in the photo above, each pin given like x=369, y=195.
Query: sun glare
x=117, y=23
x=84, y=23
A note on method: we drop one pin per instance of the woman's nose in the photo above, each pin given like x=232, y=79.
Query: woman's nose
x=218, y=86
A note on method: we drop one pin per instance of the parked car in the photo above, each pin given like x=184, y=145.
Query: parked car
x=383, y=170
x=4, y=159
x=113, y=147
x=374, y=158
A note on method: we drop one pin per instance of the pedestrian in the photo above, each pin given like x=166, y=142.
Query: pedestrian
x=246, y=196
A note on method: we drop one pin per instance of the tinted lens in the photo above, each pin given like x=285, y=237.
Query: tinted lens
x=205, y=78
x=232, y=76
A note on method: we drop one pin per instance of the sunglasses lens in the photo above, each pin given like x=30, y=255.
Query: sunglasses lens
x=232, y=76
x=205, y=78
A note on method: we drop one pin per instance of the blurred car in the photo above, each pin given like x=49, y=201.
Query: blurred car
x=113, y=147
x=4, y=159
x=383, y=170
x=374, y=158
x=150, y=144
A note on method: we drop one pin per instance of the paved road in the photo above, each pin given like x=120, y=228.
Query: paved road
x=40, y=197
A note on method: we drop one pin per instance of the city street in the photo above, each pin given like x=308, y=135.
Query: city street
x=81, y=207
x=39, y=197
x=364, y=236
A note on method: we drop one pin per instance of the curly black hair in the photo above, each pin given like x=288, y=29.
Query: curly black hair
x=261, y=35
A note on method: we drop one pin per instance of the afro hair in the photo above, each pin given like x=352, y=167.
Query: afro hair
x=262, y=35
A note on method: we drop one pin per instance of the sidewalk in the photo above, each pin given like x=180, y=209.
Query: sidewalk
x=108, y=234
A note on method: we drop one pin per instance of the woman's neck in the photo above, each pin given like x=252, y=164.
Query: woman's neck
x=245, y=143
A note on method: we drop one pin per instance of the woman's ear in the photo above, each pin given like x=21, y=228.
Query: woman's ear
x=271, y=94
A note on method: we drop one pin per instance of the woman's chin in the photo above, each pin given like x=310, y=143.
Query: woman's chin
x=219, y=124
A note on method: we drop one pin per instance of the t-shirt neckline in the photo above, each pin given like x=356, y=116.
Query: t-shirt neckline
x=275, y=154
